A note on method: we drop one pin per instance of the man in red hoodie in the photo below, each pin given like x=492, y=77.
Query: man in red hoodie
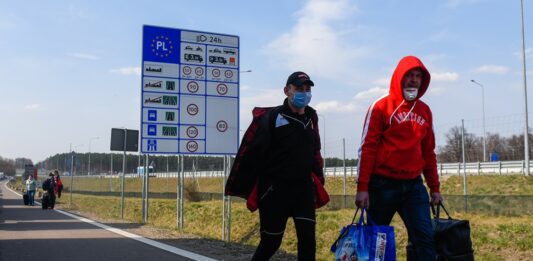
x=397, y=145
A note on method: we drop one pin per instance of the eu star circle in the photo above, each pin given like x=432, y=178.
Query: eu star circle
x=162, y=46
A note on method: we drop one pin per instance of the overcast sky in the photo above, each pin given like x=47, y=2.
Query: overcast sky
x=71, y=69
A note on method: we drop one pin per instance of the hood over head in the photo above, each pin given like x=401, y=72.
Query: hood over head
x=406, y=64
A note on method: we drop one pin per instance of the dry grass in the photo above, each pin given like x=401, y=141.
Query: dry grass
x=495, y=238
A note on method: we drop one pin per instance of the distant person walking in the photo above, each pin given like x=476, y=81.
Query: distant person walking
x=58, y=184
x=31, y=186
x=49, y=198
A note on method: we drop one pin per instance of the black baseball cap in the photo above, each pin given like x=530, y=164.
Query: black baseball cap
x=299, y=79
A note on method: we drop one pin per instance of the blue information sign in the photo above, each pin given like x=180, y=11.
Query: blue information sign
x=189, y=92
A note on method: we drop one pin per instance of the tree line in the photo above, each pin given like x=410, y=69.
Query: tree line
x=9, y=166
x=506, y=148
x=497, y=147
x=101, y=163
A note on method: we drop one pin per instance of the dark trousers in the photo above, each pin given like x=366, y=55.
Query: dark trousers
x=410, y=199
x=31, y=197
x=278, y=202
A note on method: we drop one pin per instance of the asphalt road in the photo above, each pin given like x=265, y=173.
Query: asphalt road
x=30, y=233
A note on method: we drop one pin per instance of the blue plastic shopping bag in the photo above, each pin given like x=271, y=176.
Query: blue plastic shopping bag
x=365, y=241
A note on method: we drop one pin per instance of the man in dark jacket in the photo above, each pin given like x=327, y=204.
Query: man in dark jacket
x=278, y=167
x=49, y=195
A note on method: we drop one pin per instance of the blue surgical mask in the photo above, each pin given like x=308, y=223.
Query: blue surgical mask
x=301, y=99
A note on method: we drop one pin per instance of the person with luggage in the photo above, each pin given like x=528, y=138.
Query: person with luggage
x=31, y=186
x=58, y=184
x=279, y=162
x=397, y=146
x=49, y=198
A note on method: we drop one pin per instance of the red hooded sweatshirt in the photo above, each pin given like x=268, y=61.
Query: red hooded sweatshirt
x=398, y=140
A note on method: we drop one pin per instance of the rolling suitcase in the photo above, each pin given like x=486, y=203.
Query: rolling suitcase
x=26, y=199
x=44, y=201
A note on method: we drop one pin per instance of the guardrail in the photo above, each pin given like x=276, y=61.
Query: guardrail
x=444, y=169
x=471, y=168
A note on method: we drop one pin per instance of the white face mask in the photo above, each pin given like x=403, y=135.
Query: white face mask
x=410, y=93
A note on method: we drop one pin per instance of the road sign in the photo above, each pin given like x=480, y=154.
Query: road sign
x=189, y=92
x=117, y=139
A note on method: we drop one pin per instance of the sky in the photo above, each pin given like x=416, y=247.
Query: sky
x=71, y=70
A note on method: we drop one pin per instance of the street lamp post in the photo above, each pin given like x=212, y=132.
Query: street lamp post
x=526, y=130
x=89, y=166
x=324, y=124
x=71, y=187
x=484, y=131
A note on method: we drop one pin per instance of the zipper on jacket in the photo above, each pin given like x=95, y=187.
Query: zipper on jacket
x=301, y=122
x=266, y=192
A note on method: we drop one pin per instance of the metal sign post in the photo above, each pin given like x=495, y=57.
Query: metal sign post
x=464, y=163
x=226, y=203
x=123, y=140
x=182, y=186
x=71, y=175
x=145, y=190
x=123, y=174
x=178, y=194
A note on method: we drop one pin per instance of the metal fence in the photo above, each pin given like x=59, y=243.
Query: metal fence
x=170, y=186
x=471, y=168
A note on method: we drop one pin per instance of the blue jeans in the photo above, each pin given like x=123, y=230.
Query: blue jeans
x=31, y=197
x=410, y=199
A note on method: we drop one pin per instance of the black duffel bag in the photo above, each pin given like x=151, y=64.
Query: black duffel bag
x=452, y=237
